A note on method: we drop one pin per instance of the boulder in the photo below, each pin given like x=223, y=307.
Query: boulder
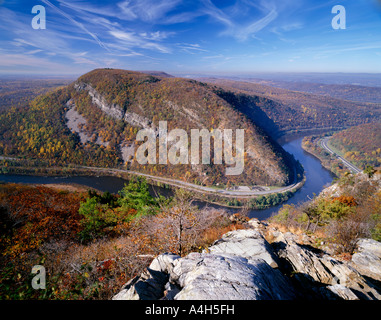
x=150, y=285
x=316, y=268
x=205, y=276
x=369, y=245
x=242, y=265
x=255, y=223
x=246, y=243
x=342, y=292
x=367, y=259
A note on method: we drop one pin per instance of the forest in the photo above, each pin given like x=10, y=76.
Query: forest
x=90, y=242
x=360, y=145
x=38, y=131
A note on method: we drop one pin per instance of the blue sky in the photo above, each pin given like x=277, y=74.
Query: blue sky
x=190, y=37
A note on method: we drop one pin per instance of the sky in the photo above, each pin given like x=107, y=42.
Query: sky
x=190, y=37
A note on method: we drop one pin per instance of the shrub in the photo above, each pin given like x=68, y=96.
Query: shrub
x=99, y=220
x=136, y=195
x=347, y=231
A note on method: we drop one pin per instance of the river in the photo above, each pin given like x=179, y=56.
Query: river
x=317, y=178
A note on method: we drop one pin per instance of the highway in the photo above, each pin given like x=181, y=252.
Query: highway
x=195, y=187
x=192, y=186
x=350, y=166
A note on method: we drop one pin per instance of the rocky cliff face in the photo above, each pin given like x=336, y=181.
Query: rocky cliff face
x=113, y=110
x=244, y=266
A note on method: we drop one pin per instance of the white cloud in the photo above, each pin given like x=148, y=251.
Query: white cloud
x=78, y=24
x=32, y=64
x=236, y=29
x=191, y=48
x=134, y=40
x=147, y=10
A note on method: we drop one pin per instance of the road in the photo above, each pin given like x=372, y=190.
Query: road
x=349, y=165
x=195, y=187
x=190, y=186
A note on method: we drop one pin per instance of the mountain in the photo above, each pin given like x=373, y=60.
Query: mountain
x=161, y=74
x=95, y=121
x=281, y=110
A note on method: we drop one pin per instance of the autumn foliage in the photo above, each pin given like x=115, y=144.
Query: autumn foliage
x=91, y=243
x=339, y=219
x=35, y=215
x=360, y=145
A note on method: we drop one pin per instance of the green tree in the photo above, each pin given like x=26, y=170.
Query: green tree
x=94, y=219
x=136, y=195
x=369, y=170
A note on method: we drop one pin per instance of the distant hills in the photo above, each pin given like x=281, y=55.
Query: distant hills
x=359, y=93
x=285, y=110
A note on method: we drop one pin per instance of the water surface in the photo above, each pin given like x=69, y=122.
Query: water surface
x=317, y=178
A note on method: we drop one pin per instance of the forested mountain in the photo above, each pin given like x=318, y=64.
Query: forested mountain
x=282, y=110
x=94, y=122
x=361, y=144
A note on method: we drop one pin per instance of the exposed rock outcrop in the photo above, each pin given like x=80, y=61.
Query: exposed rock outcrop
x=75, y=122
x=247, y=243
x=205, y=276
x=367, y=259
x=114, y=110
x=242, y=265
x=150, y=285
x=313, y=270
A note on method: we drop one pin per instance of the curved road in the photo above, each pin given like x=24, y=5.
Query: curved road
x=192, y=186
x=349, y=165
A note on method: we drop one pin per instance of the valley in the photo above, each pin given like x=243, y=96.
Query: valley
x=100, y=114
x=71, y=155
x=206, y=150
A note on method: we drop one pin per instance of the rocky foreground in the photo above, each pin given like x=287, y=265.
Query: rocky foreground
x=243, y=265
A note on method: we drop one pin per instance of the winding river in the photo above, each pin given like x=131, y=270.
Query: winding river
x=317, y=178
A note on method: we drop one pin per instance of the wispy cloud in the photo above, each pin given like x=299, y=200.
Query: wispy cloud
x=237, y=29
x=191, y=48
x=148, y=10
x=80, y=25
x=129, y=10
x=118, y=39
x=135, y=40
x=12, y=62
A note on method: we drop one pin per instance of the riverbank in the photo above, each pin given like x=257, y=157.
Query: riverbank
x=316, y=178
x=330, y=161
x=225, y=198
x=252, y=198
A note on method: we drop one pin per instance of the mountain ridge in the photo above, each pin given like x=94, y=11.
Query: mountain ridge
x=115, y=104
